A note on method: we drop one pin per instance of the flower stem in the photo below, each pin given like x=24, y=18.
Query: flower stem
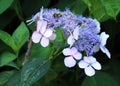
x=27, y=55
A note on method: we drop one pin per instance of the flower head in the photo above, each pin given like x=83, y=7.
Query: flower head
x=89, y=64
x=72, y=54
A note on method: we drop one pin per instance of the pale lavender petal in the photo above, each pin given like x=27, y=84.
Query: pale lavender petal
x=96, y=48
x=36, y=37
x=77, y=56
x=97, y=65
x=106, y=51
x=66, y=51
x=98, y=25
x=70, y=40
x=43, y=27
x=103, y=38
x=89, y=71
x=44, y=42
x=39, y=25
x=89, y=59
x=82, y=64
x=48, y=33
x=76, y=33
x=53, y=36
x=69, y=62
x=73, y=50
x=41, y=13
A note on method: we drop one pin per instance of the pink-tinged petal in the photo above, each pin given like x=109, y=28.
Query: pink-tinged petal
x=73, y=50
x=70, y=40
x=43, y=27
x=66, y=51
x=89, y=71
x=103, y=38
x=106, y=51
x=76, y=33
x=36, y=37
x=82, y=64
x=44, y=42
x=39, y=25
x=69, y=62
x=77, y=56
x=53, y=36
x=97, y=65
x=48, y=33
x=89, y=59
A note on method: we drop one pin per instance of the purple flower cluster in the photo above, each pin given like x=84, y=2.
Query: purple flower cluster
x=83, y=37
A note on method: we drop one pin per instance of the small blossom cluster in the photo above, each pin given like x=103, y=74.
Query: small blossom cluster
x=83, y=37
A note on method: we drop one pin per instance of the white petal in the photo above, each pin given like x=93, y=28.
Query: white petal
x=106, y=51
x=103, y=38
x=77, y=56
x=44, y=42
x=76, y=33
x=69, y=62
x=53, y=36
x=82, y=64
x=97, y=65
x=48, y=33
x=66, y=51
x=36, y=37
x=89, y=59
x=70, y=40
x=39, y=25
x=89, y=71
x=43, y=27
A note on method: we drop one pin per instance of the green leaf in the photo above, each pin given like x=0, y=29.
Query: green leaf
x=38, y=51
x=6, y=57
x=14, y=80
x=4, y=5
x=103, y=9
x=100, y=79
x=78, y=6
x=112, y=7
x=12, y=64
x=20, y=35
x=7, y=39
x=4, y=76
x=33, y=70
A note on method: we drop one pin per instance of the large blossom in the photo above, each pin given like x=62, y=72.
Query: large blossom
x=72, y=54
x=42, y=34
x=89, y=63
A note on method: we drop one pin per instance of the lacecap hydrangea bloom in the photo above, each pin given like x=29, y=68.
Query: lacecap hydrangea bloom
x=83, y=37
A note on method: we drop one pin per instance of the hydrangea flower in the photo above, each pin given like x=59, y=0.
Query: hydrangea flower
x=72, y=54
x=83, y=37
x=89, y=64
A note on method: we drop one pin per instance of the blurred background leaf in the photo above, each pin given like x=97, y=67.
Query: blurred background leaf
x=4, y=5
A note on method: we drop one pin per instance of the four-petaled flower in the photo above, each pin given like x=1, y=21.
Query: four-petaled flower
x=42, y=34
x=89, y=63
x=72, y=55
